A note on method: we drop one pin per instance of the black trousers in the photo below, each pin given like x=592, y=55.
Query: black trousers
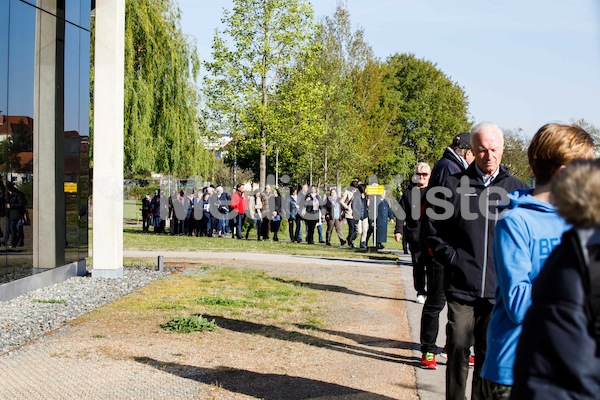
x=352, y=232
x=145, y=223
x=467, y=325
x=434, y=304
x=419, y=277
x=311, y=223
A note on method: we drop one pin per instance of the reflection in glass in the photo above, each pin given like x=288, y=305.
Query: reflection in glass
x=16, y=138
x=18, y=34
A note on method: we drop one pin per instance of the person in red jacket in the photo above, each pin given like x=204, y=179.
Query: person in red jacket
x=239, y=203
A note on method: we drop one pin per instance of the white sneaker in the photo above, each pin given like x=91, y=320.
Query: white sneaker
x=421, y=299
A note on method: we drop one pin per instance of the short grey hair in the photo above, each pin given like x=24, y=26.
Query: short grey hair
x=485, y=126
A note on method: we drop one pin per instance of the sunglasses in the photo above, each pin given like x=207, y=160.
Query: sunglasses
x=424, y=174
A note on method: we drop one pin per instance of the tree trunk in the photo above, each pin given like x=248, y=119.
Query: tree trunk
x=325, y=168
x=263, y=129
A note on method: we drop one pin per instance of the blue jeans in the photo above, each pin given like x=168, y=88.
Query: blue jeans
x=239, y=222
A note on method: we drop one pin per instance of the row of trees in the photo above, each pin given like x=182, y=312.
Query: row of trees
x=306, y=97
x=315, y=94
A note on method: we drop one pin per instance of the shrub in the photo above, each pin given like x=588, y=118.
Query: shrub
x=195, y=323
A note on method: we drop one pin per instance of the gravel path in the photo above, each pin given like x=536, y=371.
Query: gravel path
x=30, y=316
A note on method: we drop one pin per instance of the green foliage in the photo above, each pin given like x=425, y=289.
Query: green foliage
x=195, y=323
x=162, y=125
x=326, y=105
x=431, y=109
x=266, y=38
x=515, y=154
x=222, y=301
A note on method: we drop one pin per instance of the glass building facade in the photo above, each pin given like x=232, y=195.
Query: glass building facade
x=44, y=130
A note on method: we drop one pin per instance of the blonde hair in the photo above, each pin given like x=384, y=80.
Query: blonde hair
x=555, y=145
x=575, y=192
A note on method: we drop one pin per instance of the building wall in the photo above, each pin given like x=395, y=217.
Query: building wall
x=30, y=30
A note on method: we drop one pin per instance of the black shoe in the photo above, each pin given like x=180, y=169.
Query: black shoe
x=342, y=242
x=321, y=241
x=379, y=246
x=328, y=243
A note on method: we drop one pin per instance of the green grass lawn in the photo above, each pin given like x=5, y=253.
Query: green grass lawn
x=135, y=239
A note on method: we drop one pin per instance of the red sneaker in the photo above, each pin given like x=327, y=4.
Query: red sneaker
x=428, y=361
x=471, y=361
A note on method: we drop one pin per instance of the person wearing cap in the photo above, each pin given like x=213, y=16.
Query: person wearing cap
x=456, y=158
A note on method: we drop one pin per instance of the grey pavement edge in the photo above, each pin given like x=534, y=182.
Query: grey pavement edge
x=431, y=384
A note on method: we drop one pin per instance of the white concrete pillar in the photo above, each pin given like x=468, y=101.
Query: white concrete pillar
x=48, y=135
x=109, y=58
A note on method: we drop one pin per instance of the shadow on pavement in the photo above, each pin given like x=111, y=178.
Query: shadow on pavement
x=366, y=340
x=380, y=260
x=299, y=337
x=330, y=288
x=263, y=386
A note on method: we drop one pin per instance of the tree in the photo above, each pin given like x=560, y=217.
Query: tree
x=430, y=110
x=162, y=128
x=515, y=154
x=326, y=105
x=267, y=36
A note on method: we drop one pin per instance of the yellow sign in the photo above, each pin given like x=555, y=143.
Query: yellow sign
x=70, y=187
x=375, y=189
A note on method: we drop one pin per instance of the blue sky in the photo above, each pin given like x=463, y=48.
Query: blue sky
x=521, y=63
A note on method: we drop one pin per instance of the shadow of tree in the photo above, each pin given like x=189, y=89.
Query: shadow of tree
x=275, y=332
x=331, y=288
x=258, y=385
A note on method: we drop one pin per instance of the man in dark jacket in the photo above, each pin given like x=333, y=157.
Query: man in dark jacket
x=15, y=210
x=459, y=237
x=457, y=157
x=146, y=213
x=558, y=355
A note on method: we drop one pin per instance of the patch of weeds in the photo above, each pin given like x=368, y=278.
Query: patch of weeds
x=314, y=321
x=49, y=301
x=222, y=301
x=170, y=306
x=195, y=323
x=98, y=336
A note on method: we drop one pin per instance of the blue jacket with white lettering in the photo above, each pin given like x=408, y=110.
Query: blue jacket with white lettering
x=523, y=240
x=461, y=236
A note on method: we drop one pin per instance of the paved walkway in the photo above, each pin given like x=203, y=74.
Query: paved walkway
x=40, y=370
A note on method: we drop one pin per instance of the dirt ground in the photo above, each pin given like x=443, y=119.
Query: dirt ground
x=361, y=351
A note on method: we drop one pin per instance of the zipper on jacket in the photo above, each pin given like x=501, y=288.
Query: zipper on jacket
x=485, y=242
